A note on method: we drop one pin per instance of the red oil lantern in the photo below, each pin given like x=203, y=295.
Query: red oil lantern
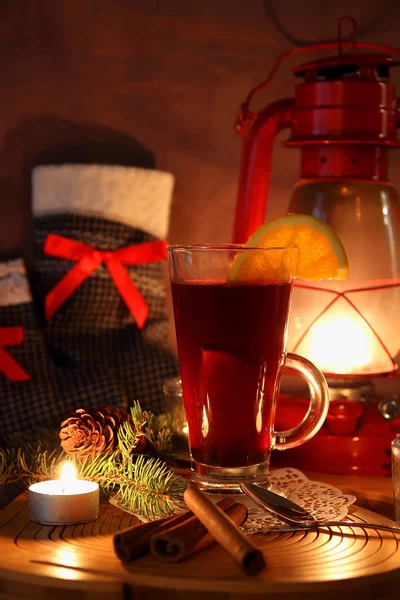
x=344, y=118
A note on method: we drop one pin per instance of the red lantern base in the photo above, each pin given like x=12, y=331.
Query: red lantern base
x=355, y=438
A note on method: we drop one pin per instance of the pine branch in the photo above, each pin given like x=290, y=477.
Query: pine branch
x=158, y=434
x=29, y=465
x=142, y=485
x=139, y=417
x=150, y=488
x=104, y=470
x=144, y=425
x=130, y=435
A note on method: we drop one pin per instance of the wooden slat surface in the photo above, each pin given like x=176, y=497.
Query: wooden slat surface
x=79, y=562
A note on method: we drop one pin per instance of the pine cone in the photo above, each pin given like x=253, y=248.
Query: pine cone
x=92, y=431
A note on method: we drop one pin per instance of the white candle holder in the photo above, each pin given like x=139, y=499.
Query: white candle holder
x=50, y=504
x=64, y=501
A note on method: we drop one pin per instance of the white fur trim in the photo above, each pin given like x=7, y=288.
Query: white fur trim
x=137, y=197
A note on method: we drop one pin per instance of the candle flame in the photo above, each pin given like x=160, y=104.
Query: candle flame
x=67, y=474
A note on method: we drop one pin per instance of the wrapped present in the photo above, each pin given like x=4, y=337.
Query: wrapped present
x=100, y=260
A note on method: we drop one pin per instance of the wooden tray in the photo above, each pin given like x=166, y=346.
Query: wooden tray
x=79, y=562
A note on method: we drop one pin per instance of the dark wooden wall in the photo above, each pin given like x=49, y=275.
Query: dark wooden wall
x=130, y=81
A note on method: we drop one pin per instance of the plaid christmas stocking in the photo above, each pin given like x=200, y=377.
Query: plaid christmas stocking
x=100, y=263
x=31, y=396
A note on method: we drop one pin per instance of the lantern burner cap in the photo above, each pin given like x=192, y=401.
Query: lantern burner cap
x=363, y=66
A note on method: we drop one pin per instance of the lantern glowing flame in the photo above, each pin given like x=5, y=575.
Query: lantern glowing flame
x=349, y=332
x=340, y=346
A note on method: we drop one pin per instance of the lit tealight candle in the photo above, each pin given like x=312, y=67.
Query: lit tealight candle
x=64, y=501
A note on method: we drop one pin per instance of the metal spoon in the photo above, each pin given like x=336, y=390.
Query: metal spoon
x=292, y=513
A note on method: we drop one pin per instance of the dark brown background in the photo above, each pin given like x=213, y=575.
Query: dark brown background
x=116, y=81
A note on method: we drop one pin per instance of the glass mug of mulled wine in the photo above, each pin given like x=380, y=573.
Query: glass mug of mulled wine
x=231, y=307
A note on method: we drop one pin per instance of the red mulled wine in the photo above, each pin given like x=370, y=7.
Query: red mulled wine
x=231, y=339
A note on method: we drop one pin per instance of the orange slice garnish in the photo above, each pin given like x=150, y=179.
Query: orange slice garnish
x=321, y=254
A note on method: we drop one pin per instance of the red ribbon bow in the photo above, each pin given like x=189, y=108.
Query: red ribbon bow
x=89, y=259
x=11, y=336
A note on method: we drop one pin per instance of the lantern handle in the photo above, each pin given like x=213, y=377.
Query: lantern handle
x=353, y=35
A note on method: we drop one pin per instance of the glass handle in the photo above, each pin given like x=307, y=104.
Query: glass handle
x=318, y=409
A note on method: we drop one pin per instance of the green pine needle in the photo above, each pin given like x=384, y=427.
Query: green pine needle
x=150, y=488
x=158, y=434
x=139, y=417
x=143, y=485
x=29, y=465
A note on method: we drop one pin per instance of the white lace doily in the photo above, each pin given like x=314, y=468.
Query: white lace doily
x=323, y=501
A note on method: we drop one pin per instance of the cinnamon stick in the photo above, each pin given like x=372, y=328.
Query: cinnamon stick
x=225, y=532
x=135, y=541
x=180, y=541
